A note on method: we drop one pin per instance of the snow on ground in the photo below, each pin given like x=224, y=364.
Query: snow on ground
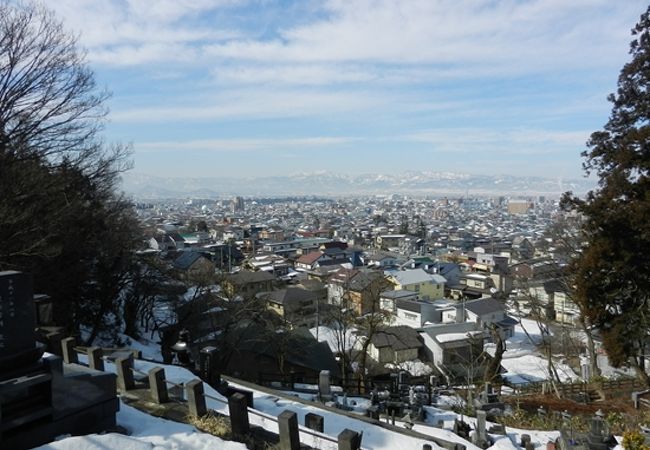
x=416, y=367
x=326, y=334
x=521, y=358
x=150, y=348
x=521, y=361
x=146, y=433
x=538, y=438
x=156, y=433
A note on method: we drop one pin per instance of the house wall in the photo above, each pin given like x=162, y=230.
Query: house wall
x=405, y=355
x=382, y=355
x=408, y=318
x=426, y=290
x=428, y=313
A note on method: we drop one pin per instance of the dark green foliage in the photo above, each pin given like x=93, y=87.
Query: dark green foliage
x=612, y=272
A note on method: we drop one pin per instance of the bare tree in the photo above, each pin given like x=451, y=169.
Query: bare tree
x=566, y=240
x=49, y=102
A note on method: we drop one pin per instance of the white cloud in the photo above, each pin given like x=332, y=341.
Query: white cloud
x=220, y=145
x=301, y=74
x=532, y=34
x=503, y=143
x=117, y=32
x=445, y=37
x=255, y=103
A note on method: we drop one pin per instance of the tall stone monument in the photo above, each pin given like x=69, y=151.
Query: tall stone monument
x=18, y=346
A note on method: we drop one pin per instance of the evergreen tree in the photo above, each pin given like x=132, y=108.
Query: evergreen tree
x=613, y=269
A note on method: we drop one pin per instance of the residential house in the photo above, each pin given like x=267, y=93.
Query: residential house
x=360, y=289
x=381, y=260
x=387, y=241
x=416, y=314
x=294, y=246
x=487, y=311
x=522, y=248
x=297, y=307
x=539, y=268
x=193, y=265
x=472, y=285
x=272, y=234
x=558, y=302
x=167, y=240
x=451, y=271
x=247, y=284
x=161, y=243
x=311, y=261
x=420, y=262
x=427, y=286
x=275, y=264
x=196, y=239
x=456, y=350
x=395, y=345
x=388, y=299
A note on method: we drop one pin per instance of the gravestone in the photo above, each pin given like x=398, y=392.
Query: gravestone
x=25, y=385
x=324, y=388
x=17, y=337
x=38, y=399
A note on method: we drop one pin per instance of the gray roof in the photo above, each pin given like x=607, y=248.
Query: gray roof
x=409, y=305
x=186, y=259
x=289, y=295
x=398, y=338
x=246, y=276
x=399, y=294
x=484, y=306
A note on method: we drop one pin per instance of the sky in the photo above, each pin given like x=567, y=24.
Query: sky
x=262, y=87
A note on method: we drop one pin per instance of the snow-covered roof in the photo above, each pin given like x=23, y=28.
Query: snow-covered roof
x=415, y=276
x=452, y=337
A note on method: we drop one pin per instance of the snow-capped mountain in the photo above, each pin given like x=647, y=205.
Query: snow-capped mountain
x=336, y=184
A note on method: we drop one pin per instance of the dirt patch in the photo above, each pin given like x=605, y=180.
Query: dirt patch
x=531, y=403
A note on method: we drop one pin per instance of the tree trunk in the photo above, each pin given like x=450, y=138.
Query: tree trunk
x=591, y=347
x=492, y=371
x=641, y=374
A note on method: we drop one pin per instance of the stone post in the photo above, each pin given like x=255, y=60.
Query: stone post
x=54, y=342
x=480, y=437
x=288, y=428
x=324, y=388
x=208, y=366
x=69, y=353
x=349, y=440
x=125, y=380
x=95, y=358
x=157, y=385
x=238, y=411
x=315, y=422
x=195, y=398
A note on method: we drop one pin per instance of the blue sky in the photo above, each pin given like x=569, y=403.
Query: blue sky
x=247, y=88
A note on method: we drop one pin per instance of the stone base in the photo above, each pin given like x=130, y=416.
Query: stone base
x=83, y=401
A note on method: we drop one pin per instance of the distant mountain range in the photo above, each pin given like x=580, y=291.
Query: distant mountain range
x=331, y=184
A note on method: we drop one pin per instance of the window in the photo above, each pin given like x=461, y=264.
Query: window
x=410, y=316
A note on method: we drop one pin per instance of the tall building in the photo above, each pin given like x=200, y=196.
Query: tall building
x=237, y=204
x=518, y=206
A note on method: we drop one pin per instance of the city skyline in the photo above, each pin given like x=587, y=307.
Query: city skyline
x=253, y=88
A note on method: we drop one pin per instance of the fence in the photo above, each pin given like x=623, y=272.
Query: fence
x=575, y=389
x=239, y=403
